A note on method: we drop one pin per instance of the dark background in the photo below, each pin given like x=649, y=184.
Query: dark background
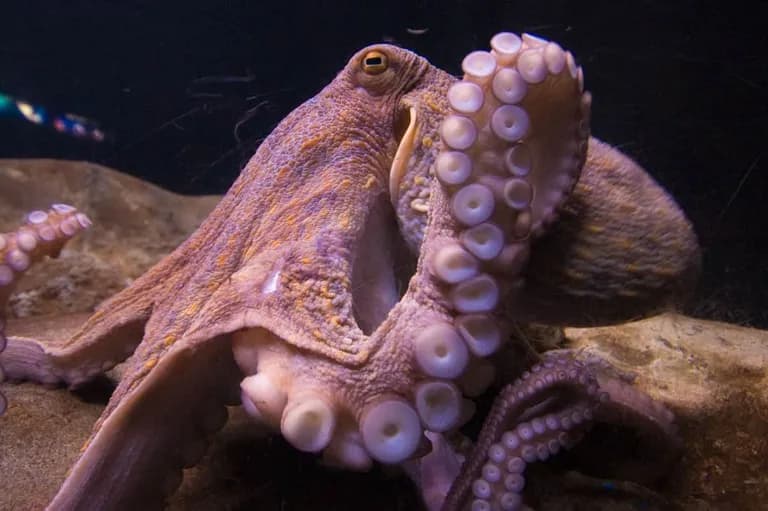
x=681, y=86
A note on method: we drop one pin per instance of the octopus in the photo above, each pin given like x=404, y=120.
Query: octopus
x=362, y=280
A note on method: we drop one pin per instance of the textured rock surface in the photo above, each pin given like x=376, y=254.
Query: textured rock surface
x=135, y=223
x=714, y=376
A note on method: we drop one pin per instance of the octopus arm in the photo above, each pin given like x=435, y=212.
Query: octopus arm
x=102, y=342
x=135, y=456
x=549, y=409
x=29, y=359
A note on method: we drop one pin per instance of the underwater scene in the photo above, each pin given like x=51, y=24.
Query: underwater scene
x=428, y=255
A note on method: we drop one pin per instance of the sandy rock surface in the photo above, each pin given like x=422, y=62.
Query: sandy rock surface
x=714, y=376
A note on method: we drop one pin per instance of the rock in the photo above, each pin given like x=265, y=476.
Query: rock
x=135, y=224
x=714, y=376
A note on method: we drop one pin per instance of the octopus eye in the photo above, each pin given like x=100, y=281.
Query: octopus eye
x=374, y=62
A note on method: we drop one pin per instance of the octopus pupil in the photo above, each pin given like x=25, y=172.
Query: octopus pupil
x=373, y=61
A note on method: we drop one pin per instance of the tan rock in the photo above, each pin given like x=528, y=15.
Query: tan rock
x=714, y=376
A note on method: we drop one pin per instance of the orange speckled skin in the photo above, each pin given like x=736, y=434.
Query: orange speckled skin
x=294, y=222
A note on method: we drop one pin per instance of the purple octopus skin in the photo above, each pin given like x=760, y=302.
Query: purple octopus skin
x=394, y=177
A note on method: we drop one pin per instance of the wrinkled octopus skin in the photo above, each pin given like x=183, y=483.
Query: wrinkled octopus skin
x=353, y=286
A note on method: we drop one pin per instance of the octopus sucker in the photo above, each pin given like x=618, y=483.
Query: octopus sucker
x=346, y=449
x=440, y=351
x=356, y=288
x=391, y=430
x=439, y=405
x=263, y=399
x=308, y=423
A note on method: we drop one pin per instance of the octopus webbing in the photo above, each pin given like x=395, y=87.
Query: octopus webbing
x=360, y=279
